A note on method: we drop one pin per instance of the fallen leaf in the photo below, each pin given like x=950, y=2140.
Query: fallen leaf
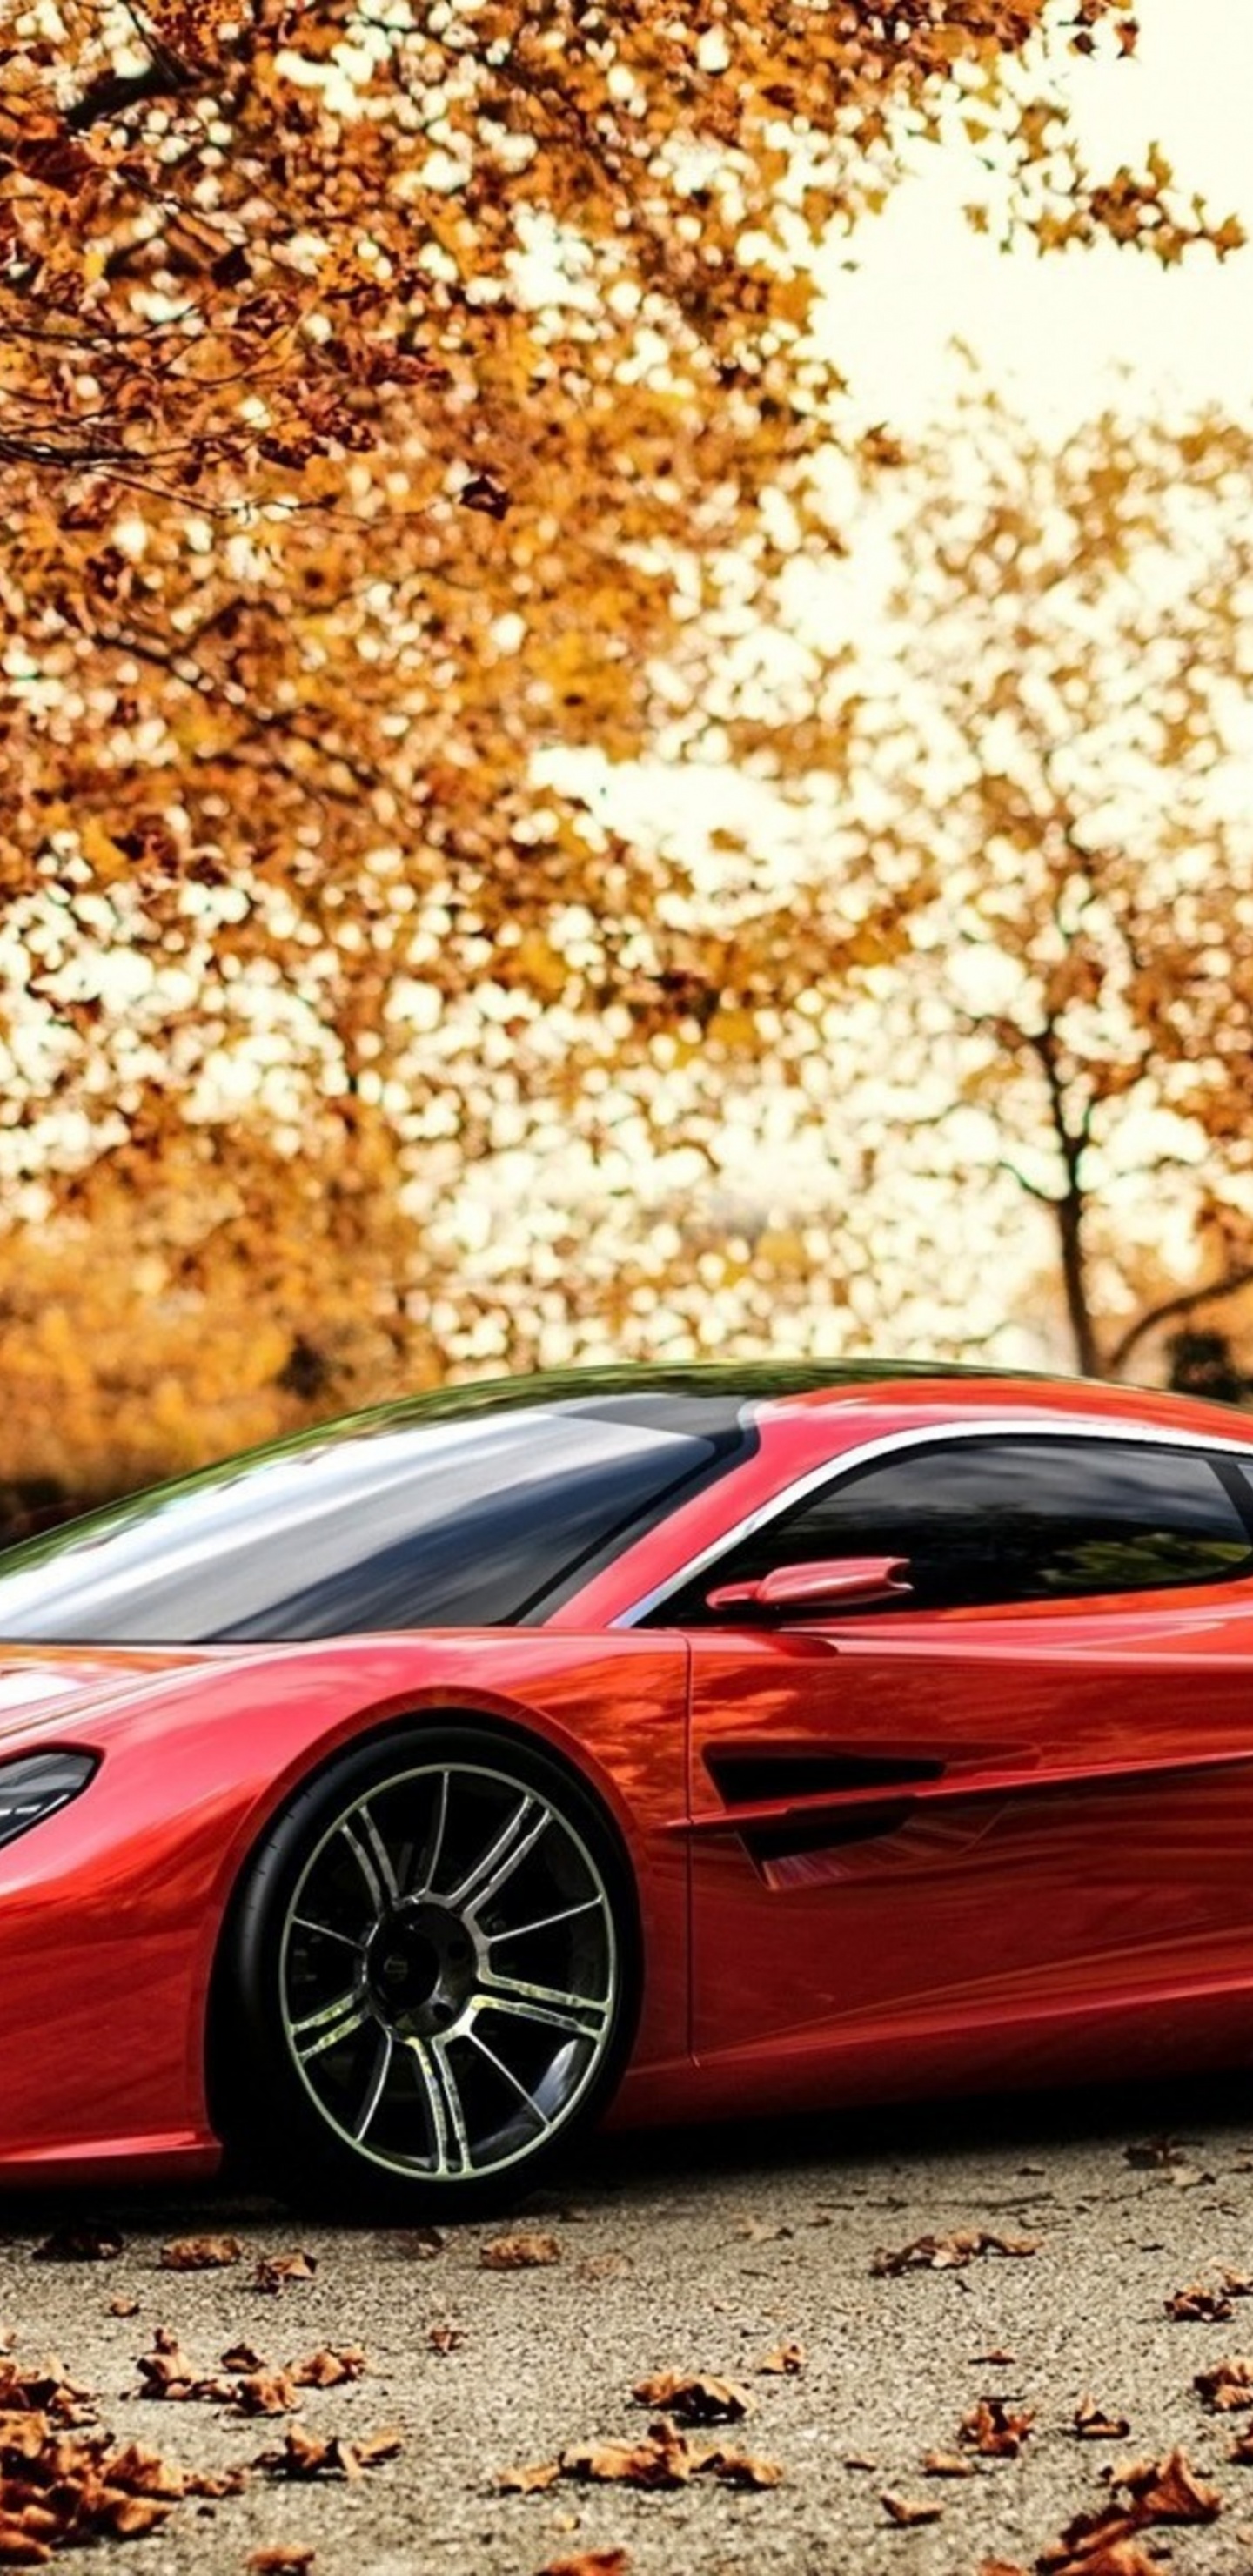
x=265, y=2392
x=763, y=2231
x=694, y=2398
x=243, y=2356
x=664, y=2458
x=1227, y=2386
x=995, y=2429
x=518, y=2253
x=861, y=2460
x=282, y=2558
x=419, y=2244
x=1195, y=2304
x=949, y=2253
x=79, y=2242
x=785, y=2362
x=590, y=2562
x=1168, y=2490
x=445, y=2338
x=274, y=2271
x=1092, y=2424
x=907, y=2511
x=528, y=2481
x=741, y=2469
x=123, y=2307
x=304, y=2456
x=329, y=2368
x=199, y=2253
x=603, y=2267
x=946, y=2464
x=994, y=2360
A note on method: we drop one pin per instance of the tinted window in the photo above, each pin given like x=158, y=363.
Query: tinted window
x=1014, y=1520
x=412, y=1518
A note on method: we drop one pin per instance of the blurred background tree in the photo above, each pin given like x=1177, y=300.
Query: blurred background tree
x=401, y=404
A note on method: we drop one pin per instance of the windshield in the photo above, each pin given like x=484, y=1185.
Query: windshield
x=407, y=1518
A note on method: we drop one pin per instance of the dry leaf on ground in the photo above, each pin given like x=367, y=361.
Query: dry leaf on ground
x=282, y=2558
x=695, y=2397
x=518, y=2253
x=445, y=2338
x=785, y=2362
x=906, y=2511
x=123, y=2307
x=330, y=2367
x=304, y=2456
x=274, y=2271
x=1092, y=2424
x=199, y=2253
x=995, y=2428
x=528, y=2481
x=946, y=2464
x=948, y=2253
x=603, y=2267
x=1197, y=2305
x=1168, y=2490
x=1227, y=2386
x=590, y=2562
x=663, y=2457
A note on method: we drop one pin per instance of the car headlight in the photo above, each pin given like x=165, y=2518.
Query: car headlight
x=35, y=1785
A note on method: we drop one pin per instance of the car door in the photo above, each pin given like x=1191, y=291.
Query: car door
x=1026, y=1793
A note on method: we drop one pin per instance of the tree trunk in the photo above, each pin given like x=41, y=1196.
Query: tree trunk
x=1070, y=1214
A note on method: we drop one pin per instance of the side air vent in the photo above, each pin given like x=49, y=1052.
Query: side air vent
x=751, y=1775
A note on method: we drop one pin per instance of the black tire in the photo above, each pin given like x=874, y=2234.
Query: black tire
x=430, y=1980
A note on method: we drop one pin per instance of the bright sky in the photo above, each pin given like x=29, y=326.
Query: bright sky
x=1053, y=331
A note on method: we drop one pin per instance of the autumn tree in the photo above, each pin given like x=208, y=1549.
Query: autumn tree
x=392, y=394
x=1065, y=750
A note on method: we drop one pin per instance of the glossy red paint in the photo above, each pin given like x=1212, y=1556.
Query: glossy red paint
x=1017, y=1846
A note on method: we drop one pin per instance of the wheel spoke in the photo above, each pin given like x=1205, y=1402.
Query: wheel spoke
x=519, y=1931
x=449, y=2141
x=325, y=1932
x=502, y=1856
x=424, y=1874
x=507, y=2071
x=372, y=1858
x=335, y=2021
x=550, y=2005
x=378, y=2083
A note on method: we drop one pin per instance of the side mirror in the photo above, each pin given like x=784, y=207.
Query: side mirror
x=830, y=1582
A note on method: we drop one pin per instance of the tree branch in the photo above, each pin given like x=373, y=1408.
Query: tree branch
x=1184, y=1304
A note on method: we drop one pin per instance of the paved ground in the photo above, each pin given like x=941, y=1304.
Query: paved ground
x=705, y=2253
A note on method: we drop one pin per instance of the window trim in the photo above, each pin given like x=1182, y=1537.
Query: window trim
x=933, y=1435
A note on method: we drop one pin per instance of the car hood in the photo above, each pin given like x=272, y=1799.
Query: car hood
x=40, y=1683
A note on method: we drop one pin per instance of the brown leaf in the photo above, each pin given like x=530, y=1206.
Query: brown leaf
x=694, y=2397
x=1227, y=2386
x=483, y=492
x=243, y=2356
x=786, y=2361
x=421, y=2244
x=1168, y=2490
x=123, y=2307
x=906, y=2511
x=740, y=2468
x=445, y=2338
x=590, y=2562
x=266, y=2392
x=1197, y=2304
x=603, y=2267
x=946, y=2464
x=995, y=2429
x=664, y=2458
x=79, y=2242
x=199, y=2253
x=282, y=2558
x=274, y=2271
x=1092, y=2424
x=304, y=2456
x=949, y=2253
x=528, y=2481
x=329, y=2369
x=518, y=2253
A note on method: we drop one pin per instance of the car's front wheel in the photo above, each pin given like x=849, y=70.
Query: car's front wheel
x=431, y=1977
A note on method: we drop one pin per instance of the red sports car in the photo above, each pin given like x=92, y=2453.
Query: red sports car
x=399, y=1798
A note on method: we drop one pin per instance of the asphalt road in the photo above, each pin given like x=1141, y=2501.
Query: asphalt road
x=705, y=2254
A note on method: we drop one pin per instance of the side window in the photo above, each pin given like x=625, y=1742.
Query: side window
x=1023, y=1519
